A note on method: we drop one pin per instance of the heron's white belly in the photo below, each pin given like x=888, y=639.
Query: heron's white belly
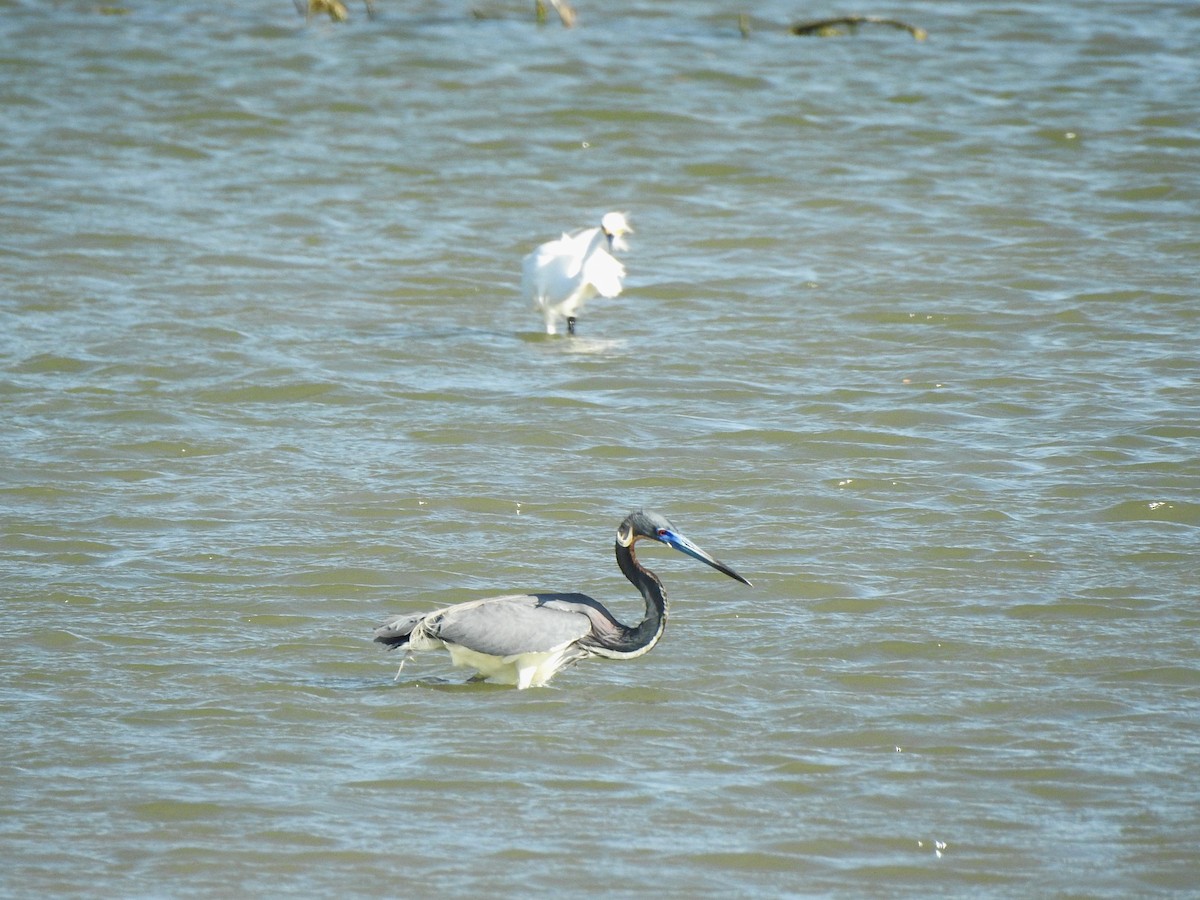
x=523, y=669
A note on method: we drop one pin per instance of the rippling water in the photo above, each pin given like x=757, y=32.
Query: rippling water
x=909, y=338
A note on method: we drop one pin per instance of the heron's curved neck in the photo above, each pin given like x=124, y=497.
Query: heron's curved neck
x=635, y=640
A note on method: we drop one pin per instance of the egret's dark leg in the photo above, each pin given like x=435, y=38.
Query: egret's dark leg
x=570, y=324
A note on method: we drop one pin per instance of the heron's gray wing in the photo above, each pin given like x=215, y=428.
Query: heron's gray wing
x=508, y=625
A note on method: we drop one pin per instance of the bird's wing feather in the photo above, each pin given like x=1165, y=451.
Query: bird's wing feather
x=508, y=625
x=605, y=272
x=395, y=631
x=551, y=269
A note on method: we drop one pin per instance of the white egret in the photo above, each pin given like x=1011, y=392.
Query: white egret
x=560, y=276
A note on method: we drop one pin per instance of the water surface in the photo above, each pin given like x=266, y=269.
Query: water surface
x=908, y=338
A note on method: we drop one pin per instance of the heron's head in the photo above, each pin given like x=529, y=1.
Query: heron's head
x=615, y=227
x=645, y=524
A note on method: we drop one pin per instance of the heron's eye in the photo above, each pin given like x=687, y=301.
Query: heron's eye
x=662, y=532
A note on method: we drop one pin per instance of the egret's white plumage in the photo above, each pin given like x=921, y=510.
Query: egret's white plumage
x=560, y=276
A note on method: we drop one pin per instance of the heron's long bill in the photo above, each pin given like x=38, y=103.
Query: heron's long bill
x=683, y=545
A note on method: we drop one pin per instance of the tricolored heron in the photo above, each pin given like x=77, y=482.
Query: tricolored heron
x=523, y=639
x=560, y=276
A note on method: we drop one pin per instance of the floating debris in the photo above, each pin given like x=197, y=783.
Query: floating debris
x=335, y=9
x=565, y=13
x=939, y=847
x=849, y=24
